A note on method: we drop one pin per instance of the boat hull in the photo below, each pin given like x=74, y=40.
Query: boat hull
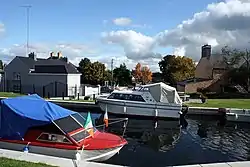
x=140, y=109
x=86, y=155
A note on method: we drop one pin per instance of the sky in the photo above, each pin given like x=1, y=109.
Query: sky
x=127, y=31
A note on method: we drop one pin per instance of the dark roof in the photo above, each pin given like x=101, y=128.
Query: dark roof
x=49, y=65
x=191, y=80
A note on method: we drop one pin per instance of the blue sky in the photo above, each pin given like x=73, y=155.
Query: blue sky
x=83, y=21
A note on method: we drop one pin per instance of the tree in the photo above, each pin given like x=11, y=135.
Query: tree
x=1, y=64
x=142, y=74
x=238, y=73
x=146, y=75
x=122, y=75
x=176, y=68
x=137, y=74
x=85, y=69
x=97, y=73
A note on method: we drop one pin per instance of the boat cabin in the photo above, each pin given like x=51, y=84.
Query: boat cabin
x=69, y=130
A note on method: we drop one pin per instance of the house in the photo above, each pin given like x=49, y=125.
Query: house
x=53, y=77
x=210, y=74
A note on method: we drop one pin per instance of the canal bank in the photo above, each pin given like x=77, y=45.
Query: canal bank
x=62, y=162
x=232, y=114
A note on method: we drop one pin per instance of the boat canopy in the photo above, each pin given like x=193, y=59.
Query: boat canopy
x=163, y=93
x=18, y=114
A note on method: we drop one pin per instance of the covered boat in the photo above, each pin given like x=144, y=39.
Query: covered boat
x=32, y=124
x=154, y=100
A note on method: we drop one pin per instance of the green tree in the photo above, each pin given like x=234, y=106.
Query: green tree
x=85, y=69
x=97, y=73
x=122, y=75
x=176, y=68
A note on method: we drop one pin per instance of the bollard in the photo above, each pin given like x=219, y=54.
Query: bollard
x=78, y=96
x=63, y=95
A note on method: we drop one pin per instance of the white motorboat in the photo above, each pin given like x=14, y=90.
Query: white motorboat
x=154, y=100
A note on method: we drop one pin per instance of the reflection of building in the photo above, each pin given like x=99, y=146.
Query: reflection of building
x=210, y=74
x=54, y=76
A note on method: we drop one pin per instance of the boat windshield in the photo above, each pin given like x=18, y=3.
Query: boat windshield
x=74, y=123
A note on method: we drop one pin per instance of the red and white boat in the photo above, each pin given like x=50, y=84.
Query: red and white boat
x=32, y=124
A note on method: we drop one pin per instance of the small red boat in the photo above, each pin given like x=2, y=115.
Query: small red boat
x=32, y=124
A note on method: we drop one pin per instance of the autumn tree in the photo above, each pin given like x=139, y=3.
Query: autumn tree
x=122, y=75
x=176, y=68
x=137, y=74
x=142, y=74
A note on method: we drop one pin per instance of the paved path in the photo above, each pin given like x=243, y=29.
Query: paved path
x=63, y=162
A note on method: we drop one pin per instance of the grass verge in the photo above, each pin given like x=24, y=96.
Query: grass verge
x=5, y=162
x=223, y=103
x=9, y=94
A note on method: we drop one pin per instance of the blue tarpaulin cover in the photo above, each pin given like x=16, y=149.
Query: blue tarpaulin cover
x=20, y=113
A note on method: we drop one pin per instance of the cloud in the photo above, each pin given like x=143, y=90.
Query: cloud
x=122, y=21
x=125, y=21
x=75, y=52
x=220, y=24
x=224, y=23
x=2, y=28
x=136, y=45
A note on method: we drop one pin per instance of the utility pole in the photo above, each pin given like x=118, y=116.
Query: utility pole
x=28, y=13
x=112, y=74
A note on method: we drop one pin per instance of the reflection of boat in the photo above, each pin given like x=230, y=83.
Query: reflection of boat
x=29, y=123
x=159, y=135
x=157, y=100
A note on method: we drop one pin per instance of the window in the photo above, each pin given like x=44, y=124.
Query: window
x=130, y=97
x=16, y=88
x=53, y=138
x=16, y=76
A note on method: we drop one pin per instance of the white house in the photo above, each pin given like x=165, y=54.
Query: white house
x=54, y=77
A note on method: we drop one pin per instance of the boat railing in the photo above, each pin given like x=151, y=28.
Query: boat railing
x=115, y=121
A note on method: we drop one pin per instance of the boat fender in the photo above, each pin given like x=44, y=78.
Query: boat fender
x=26, y=149
x=78, y=156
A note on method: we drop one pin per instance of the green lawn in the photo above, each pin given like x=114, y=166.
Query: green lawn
x=224, y=103
x=9, y=94
x=5, y=162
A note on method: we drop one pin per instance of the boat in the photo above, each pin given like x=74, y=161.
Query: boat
x=153, y=100
x=34, y=125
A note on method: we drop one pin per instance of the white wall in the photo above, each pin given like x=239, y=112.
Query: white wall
x=74, y=82
x=90, y=90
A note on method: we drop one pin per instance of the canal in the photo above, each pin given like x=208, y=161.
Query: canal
x=203, y=140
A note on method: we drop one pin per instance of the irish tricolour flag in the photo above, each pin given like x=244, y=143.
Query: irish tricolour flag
x=88, y=125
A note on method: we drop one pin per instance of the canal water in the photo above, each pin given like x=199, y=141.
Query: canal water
x=203, y=140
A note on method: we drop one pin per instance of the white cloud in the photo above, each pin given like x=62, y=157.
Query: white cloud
x=125, y=21
x=74, y=52
x=2, y=28
x=122, y=21
x=136, y=45
x=223, y=23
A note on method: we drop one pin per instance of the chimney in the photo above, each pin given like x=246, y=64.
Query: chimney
x=206, y=51
x=59, y=55
x=32, y=55
x=51, y=54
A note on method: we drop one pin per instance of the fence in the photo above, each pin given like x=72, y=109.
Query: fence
x=53, y=89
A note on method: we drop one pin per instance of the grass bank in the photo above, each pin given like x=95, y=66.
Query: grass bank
x=5, y=162
x=9, y=94
x=224, y=103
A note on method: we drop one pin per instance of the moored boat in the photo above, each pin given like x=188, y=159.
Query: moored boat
x=153, y=100
x=32, y=124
